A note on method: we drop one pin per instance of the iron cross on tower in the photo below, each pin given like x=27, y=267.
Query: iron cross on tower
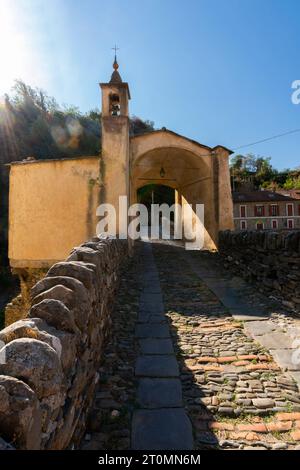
x=115, y=49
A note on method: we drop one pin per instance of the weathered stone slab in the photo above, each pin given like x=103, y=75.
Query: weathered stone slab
x=148, y=280
x=248, y=314
x=156, y=346
x=152, y=330
x=151, y=306
x=296, y=376
x=143, y=317
x=231, y=292
x=149, y=273
x=286, y=359
x=159, y=393
x=157, y=318
x=156, y=366
x=163, y=429
x=229, y=298
x=263, y=403
x=152, y=288
x=294, y=331
x=151, y=298
x=154, y=309
x=151, y=318
x=276, y=340
x=258, y=328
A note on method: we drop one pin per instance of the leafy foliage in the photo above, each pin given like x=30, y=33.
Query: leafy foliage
x=250, y=172
x=32, y=124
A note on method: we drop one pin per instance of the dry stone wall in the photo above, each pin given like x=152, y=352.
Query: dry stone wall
x=18, y=307
x=49, y=363
x=271, y=259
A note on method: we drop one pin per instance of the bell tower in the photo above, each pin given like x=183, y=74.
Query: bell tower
x=115, y=139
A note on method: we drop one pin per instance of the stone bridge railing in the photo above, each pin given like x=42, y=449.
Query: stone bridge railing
x=50, y=359
x=272, y=259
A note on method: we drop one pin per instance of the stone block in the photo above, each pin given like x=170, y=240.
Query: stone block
x=163, y=429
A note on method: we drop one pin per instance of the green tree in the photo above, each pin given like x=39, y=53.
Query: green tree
x=292, y=183
x=32, y=124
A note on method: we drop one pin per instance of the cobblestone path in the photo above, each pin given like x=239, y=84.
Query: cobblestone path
x=235, y=393
x=161, y=422
x=178, y=355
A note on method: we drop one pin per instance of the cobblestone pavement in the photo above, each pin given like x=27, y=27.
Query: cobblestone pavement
x=235, y=393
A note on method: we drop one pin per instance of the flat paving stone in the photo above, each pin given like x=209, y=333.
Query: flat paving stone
x=143, y=317
x=152, y=289
x=230, y=293
x=156, y=366
x=294, y=332
x=149, y=273
x=162, y=429
x=148, y=317
x=151, y=298
x=152, y=311
x=276, y=340
x=159, y=393
x=156, y=346
x=152, y=330
x=153, y=318
x=286, y=358
x=258, y=328
x=147, y=282
x=153, y=307
x=163, y=424
x=248, y=314
x=296, y=376
x=228, y=298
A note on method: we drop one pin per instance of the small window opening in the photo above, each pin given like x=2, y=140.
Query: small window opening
x=114, y=105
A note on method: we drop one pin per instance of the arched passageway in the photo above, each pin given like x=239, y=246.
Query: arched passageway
x=189, y=168
x=151, y=196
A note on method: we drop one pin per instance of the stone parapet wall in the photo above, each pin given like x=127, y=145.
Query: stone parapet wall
x=272, y=259
x=49, y=363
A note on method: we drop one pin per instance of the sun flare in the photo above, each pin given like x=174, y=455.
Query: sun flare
x=15, y=52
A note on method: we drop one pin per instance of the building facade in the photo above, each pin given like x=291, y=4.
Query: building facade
x=53, y=203
x=266, y=210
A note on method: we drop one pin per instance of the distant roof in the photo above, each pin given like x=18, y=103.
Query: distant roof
x=260, y=196
x=294, y=193
x=164, y=129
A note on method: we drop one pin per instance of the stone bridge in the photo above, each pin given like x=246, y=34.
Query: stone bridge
x=159, y=348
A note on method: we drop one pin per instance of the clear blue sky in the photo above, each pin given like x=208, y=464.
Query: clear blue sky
x=218, y=71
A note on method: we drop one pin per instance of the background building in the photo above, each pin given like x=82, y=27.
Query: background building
x=266, y=210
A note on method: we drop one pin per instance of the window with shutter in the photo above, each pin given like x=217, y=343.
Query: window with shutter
x=260, y=211
x=273, y=210
x=290, y=209
x=243, y=211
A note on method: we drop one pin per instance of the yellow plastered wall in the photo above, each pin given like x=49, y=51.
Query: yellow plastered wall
x=52, y=208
